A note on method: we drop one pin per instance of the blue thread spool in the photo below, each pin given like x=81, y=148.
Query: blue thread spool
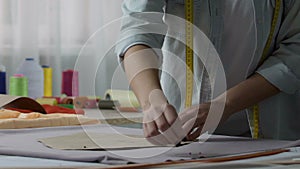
x=2, y=80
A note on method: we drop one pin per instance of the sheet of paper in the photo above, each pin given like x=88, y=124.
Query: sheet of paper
x=89, y=141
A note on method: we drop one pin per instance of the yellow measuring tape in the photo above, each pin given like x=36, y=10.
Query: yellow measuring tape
x=263, y=58
x=189, y=53
x=189, y=16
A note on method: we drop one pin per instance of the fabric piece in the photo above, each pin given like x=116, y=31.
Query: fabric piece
x=7, y=101
x=48, y=120
x=51, y=109
x=24, y=142
x=19, y=110
x=57, y=109
x=94, y=141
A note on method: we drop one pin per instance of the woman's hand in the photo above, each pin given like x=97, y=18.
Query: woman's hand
x=243, y=95
x=161, y=123
x=196, y=117
x=193, y=120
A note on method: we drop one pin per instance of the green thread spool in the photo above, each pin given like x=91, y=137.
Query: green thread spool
x=18, y=85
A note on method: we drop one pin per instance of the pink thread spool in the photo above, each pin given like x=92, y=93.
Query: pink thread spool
x=70, y=84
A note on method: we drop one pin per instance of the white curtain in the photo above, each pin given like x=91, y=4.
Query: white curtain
x=54, y=32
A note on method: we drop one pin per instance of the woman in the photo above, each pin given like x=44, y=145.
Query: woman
x=239, y=31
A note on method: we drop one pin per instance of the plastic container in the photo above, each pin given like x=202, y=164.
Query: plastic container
x=35, y=75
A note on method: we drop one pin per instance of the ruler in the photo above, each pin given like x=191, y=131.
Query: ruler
x=189, y=53
x=263, y=58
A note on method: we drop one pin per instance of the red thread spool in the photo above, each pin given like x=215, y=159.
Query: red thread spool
x=70, y=84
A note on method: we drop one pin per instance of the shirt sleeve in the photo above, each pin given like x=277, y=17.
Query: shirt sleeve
x=282, y=68
x=142, y=23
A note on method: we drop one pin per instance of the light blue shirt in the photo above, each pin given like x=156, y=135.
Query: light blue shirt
x=239, y=30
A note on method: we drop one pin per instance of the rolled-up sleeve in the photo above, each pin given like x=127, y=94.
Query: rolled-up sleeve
x=282, y=68
x=142, y=23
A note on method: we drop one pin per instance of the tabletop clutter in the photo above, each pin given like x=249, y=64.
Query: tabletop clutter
x=35, y=81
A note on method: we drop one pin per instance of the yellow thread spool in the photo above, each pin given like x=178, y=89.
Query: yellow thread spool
x=189, y=16
x=47, y=81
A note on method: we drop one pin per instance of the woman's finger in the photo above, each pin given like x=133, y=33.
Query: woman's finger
x=166, y=129
x=189, y=125
x=150, y=129
x=175, y=125
x=158, y=140
x=195, y=134
x=187, y=114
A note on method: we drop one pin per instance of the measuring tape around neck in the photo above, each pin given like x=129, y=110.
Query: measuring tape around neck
x=189, y=30
x=189, y=16
x=255, y=122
